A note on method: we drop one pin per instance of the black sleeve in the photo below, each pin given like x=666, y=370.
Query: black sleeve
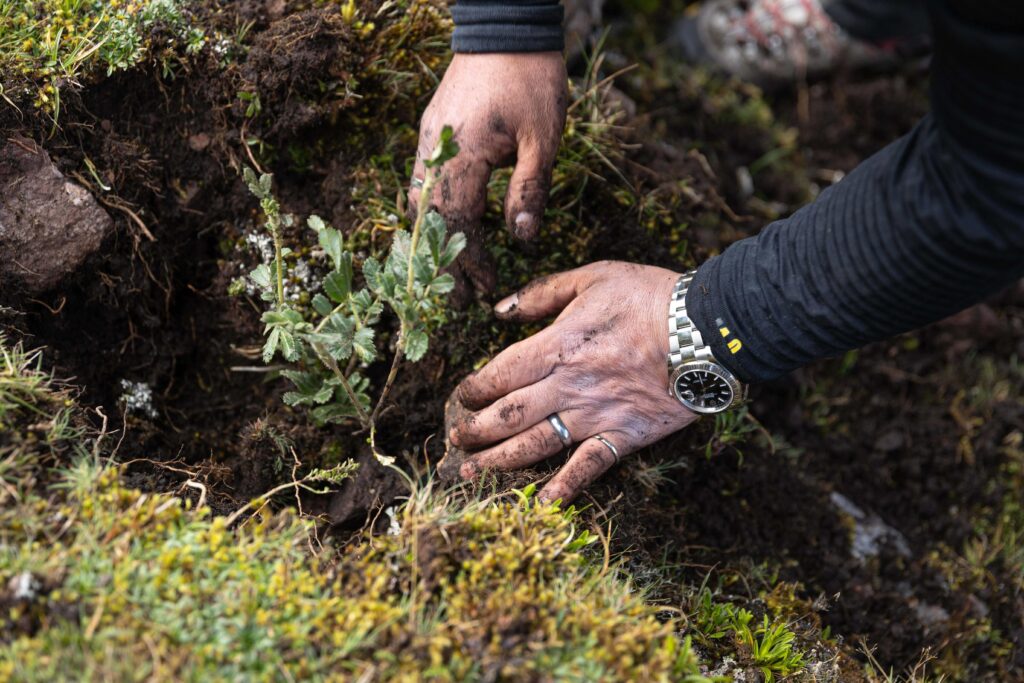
x=929, y=225
x=523, y=26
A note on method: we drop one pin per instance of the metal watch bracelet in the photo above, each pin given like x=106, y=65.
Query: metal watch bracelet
x=684, y=340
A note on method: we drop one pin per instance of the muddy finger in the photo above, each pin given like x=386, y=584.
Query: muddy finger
x=592, y=459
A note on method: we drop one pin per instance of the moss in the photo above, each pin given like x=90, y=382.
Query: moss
x=105, y=581
x=49, y=45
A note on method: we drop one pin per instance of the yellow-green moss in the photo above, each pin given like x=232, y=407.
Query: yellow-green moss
x=46, y=45
x=102, y=581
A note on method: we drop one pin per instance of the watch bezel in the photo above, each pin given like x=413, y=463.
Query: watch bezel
x=713, y=368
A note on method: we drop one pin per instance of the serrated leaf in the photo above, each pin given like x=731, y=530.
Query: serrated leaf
x=452, y=250
x=422, y=270
x=363, y=344
x=371, y=273
x=388, y=285
x=373, y=312
x=253, y=182
x=362, y=300
x=282, y=316
x=322, y=305
x=266, y=184
x=293, y=398
x=333, y=245
x=316, y=223
x=262, y=276
x=289, y=349
x=305, y=382
x=333, y=412
x=340, y=324
x=442, y=284
x=338, y=284
x=270, y=347
x=398, y=258
x=416, y=343
x=433, y=233
x=336, y=336
x=310, y=389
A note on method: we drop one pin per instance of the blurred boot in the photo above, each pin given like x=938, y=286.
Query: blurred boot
x=777, y=42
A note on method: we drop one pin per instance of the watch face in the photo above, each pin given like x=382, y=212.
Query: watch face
x=704, y=387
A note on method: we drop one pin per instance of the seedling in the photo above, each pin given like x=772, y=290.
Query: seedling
x=340, y=328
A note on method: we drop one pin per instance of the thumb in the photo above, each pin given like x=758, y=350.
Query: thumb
x=528, y=190
x=543, y=297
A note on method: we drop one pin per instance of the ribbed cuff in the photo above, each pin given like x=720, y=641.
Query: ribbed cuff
x=527, y=26
x=706, y=309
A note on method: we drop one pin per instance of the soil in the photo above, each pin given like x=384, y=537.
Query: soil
x=152, y=306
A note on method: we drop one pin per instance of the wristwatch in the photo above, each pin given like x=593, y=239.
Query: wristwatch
x=696, y=379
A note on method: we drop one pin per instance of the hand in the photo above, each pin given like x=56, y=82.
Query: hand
x=601, y=366
x=505, y=109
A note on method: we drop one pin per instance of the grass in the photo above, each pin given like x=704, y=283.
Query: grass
x=50, y=45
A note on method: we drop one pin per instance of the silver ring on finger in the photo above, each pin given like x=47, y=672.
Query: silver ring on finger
x=610, y=445
x=417, y=182
x=560, y=429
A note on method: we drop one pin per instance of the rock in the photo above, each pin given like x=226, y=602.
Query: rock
x=932, y=617
x=48, y=224
x=889, y=442
x=198, y=142
x=869, y=531
x=23, y=586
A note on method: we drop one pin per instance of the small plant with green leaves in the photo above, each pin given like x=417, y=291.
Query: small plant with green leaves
x=326, y=344
x=734, y=429
x=771, y=646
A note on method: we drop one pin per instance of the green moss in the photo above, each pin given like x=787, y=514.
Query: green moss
x=103, y=581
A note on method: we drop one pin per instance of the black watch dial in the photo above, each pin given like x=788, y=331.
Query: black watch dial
x=703, y=390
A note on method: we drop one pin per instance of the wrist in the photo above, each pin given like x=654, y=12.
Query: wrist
x=696, y=377
x=720, y=327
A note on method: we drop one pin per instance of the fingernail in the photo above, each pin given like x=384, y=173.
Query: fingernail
x=453, y=436
x=526, y=225
x=507, y=305
x=464, y=395
x=469, y=470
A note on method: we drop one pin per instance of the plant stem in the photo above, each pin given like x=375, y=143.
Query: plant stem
x=395, y=362
x=262, y=500
x=275, y=231
x=421, y=210
x=337, y=309
x=327, y=360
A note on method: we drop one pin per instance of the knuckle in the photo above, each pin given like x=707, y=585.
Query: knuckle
x=511, y=415
x=502, y=376
x=539, y=441
x=532, y=186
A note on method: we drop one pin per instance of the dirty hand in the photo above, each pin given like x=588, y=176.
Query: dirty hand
x=601, y=366
x=505, y=109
